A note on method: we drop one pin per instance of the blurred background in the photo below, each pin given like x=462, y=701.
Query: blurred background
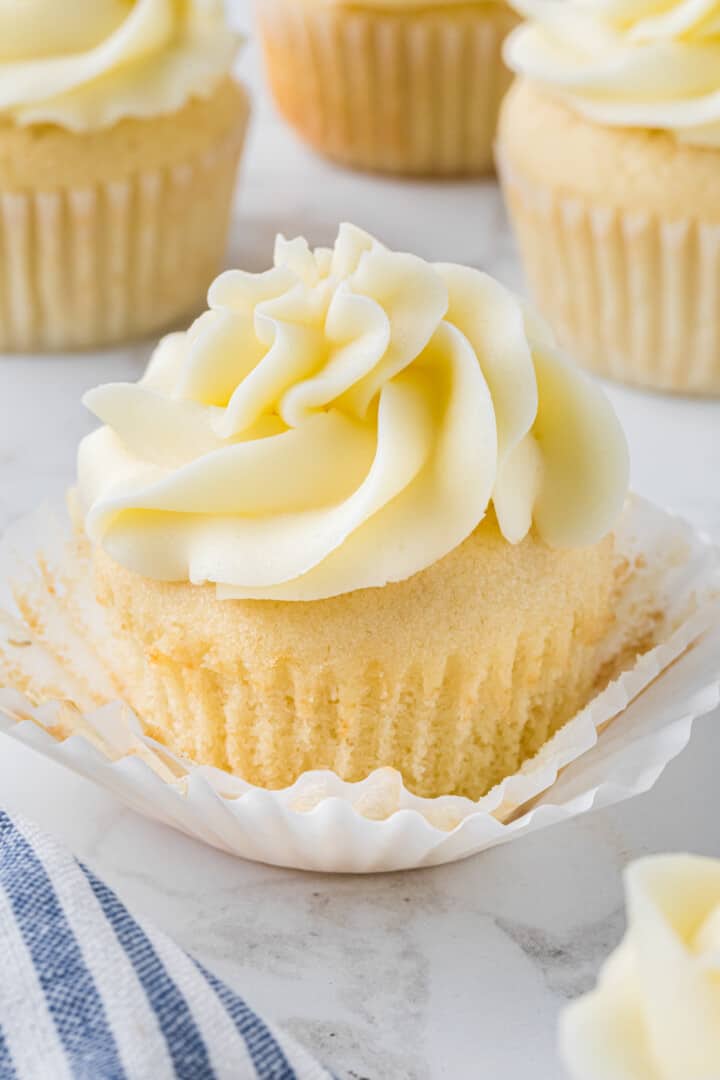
x=285, y=187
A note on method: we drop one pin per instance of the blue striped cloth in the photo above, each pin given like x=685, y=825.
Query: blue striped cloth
x=89, y=991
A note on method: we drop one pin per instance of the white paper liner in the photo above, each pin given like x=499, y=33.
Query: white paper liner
x=321, y=822
x=408, y=91
x=108, y=262
x=630, y=295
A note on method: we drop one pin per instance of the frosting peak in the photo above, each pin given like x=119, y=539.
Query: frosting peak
x=341, y=421
x=89, y=63
x=655, y=1014
x=628, y=63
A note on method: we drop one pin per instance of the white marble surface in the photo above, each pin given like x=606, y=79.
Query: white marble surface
x=457, y=972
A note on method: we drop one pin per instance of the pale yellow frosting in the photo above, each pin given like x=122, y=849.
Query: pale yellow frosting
x=629, y=63
x=393, y=5
x=342, y=421
x=85, y=64
x=655, y=1014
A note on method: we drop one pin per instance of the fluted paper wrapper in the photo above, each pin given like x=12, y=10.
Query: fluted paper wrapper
x=414, y=91
x=56, y=664
x=92, y=266
x=630, y=295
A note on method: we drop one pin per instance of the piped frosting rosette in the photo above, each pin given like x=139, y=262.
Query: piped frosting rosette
x=655, y=1014
x=630, y=63
x=92, y=62
x=344, y=420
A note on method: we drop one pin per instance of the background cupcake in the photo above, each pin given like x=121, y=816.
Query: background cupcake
x=655, y=1012
x=359, y=515
x=396, y=86
x=609, y=149
x=120, y=132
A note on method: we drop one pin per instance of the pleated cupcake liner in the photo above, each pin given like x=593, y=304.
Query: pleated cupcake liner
x=61, y=693
x=58, y=662
x=90, y=266
x=409, y=91
x=631, y=295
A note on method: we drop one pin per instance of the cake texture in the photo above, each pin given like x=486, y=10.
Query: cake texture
x=618, y=224
x=454, y=676
x=397, y=87
x=360, y=515
x=117, y=170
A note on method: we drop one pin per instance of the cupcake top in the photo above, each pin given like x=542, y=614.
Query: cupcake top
x=85, y=64
x=342, y=421
x=629, y=63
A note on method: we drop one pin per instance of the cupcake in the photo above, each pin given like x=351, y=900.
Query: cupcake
x=359, y=515
x=609, y=151
x=120, y=132
x=399, y=86
x=655, y=1012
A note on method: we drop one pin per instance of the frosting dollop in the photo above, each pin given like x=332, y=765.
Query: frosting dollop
x=655, y=1014
x=341, y=421
x=89, y=63
x=389, y=5
x=629, y=63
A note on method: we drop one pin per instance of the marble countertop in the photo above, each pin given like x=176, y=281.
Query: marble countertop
x=456, y=972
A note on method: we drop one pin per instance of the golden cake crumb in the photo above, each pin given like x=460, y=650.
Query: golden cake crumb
x=453, y=677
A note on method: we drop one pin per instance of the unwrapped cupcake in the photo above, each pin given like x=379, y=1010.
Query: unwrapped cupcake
x=120, y=132
x=609, y=150
x=397, y=86
x=359, y=515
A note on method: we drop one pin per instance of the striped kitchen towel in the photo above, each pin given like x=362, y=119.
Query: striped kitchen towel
x=89, y=991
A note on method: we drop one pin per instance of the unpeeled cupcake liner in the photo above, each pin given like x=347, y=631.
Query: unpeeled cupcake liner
x=91, y=266
x=54, y=650
x=632, y=296
x=413, y=91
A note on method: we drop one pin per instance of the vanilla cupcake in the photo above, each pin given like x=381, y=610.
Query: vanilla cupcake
x=609, y=151
x=120, y=132
x=359, y=515
x=396, y=86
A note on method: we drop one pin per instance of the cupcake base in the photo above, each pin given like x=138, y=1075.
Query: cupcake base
x=413, y=91
x=453, y=677
x=57, y=660
x=625, y=267
x=114, y=235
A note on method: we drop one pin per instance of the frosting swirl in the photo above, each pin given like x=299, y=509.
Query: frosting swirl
x=342, y=421
x=389, y=5
x=627, y=63
x=655, y=1014
x=90, y=63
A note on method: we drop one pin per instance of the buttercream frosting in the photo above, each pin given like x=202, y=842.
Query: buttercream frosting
x=342, y=421
x=391, y=5
x=89, y=63
x=655, y=1014
x=630, y=63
